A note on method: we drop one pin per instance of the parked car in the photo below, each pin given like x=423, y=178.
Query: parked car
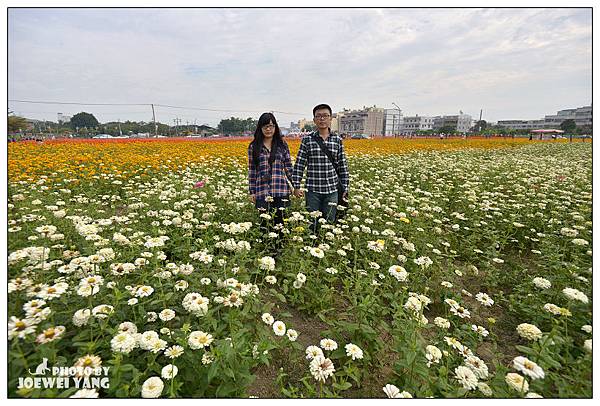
x=103, y=136
x=360, y=137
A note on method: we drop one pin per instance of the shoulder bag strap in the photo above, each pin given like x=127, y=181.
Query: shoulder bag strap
x=327, y=152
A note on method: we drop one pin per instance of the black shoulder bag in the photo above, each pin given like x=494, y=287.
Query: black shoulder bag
x=341, y=201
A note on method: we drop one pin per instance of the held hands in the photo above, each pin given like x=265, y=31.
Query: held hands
x=252, y=198
x=298, y=192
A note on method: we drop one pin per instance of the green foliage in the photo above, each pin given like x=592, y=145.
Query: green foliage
x=16, y=123
x=487, y=222
x=83, y=120
x=236, y=125
x=568, y=126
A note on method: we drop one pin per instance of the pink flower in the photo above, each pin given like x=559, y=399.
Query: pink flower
x=199, y=184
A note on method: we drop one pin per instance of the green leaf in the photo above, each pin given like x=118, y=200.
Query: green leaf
x=525, y=350
x=212, y=372
x=342, y=385
x=278, y=295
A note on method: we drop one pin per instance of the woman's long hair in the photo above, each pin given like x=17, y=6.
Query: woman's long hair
x=257, y=143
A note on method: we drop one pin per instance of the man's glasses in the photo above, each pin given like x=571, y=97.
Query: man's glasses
x=322, y=116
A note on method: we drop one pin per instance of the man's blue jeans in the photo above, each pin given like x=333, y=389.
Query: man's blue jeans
x=325, y=203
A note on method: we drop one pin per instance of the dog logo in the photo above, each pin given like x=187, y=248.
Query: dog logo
x=41, y=369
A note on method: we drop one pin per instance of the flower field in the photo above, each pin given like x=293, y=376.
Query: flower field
x=463, y=268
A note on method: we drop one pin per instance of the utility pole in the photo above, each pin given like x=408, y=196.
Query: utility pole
x=399, y=116
x=119, y=124
x=154, y=121
x=177, y=123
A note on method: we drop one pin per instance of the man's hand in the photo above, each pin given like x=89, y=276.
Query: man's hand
x=252, y=198
x=345, y=196
x=298, y=192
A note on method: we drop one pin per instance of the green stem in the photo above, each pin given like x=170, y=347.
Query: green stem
x=18, y=345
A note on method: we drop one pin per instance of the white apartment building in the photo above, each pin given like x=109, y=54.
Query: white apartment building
x=461, y=122
x=581, y=115
x=411, y=124
x=522, y=124
x=392, y=122
x=63, y=118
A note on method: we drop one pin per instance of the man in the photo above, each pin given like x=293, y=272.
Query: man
x=322, y=180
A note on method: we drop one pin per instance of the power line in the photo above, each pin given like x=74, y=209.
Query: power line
x=79, y=104
x=203, y=109
x=223, y=111
x=150, y=104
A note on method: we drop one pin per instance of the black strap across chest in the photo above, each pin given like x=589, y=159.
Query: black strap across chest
x=326, y=151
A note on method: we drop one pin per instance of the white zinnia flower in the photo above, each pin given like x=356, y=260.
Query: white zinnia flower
x=328, y=344
x=267, y=263
x=398, y=272
x=542, y=283
x=317, y=252
x=433, y=355
x=353, y=351
x=529, y=331
x=169, y=371
x=152, y=387
x=123, y=342
x=85, y=394
x=575, y=294
x=527, y=367
x=313, y=351
x=279, y=328
x=321, y=368
x=267, y=318
x=517, y=382
x=199, y=339
x=466, y=377
x=391, y=391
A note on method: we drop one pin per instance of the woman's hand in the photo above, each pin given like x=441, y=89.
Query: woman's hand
x=252, y=198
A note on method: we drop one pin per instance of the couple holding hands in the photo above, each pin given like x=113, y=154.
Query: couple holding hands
x=272, y=179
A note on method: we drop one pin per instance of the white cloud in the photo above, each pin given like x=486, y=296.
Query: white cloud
x=516, y=63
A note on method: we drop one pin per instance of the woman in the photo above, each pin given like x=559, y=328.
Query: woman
x=269, y=171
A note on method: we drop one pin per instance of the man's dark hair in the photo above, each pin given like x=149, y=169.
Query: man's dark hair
x=321, y=107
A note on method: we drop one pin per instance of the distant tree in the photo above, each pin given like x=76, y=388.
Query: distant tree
x=568, y=126
x=309, y=127
x=447, y=129
x=481, y=125
x=83, y=119
x=16, y=123
x=236, y=125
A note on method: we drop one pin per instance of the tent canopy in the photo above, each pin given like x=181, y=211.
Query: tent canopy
x=547, y=131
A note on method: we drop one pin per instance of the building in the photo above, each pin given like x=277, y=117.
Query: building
x=581, y=115
x=368, y=121
x=63, y=118
x=412, y=124
x=460, y=122
x=392, y=122
x=335, y=123
x=303, y=122
x=294, y=127
x=521, y=124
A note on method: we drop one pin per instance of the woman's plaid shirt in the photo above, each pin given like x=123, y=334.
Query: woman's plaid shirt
x=265, y=180
x=322, y=177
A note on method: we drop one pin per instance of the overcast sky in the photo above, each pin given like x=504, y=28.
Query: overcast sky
x=512, y=63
